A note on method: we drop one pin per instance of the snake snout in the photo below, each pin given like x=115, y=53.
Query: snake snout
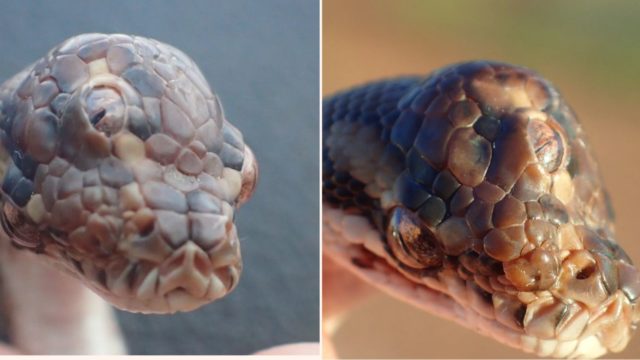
x=189, y=278
x=189, y=241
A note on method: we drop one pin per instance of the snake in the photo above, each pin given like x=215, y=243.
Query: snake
x=473, y=194
x=120, y=168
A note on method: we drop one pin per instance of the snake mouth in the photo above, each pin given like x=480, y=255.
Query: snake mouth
x=186, y=278
x=541, y=324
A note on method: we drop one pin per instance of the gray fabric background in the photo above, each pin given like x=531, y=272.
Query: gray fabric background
x=261, y=57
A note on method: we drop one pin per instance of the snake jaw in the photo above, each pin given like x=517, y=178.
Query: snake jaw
x=186, y=279
x=523, y=321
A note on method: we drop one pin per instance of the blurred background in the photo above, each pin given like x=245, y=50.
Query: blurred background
x=588, y=49
x=262, y=59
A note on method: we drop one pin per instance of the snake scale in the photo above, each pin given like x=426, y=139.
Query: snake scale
x=473, y=194
x=120, y=168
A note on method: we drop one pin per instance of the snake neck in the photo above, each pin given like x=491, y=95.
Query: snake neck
x=7, y=91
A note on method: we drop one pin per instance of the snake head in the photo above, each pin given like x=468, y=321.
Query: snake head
x=481, y=180
x=123, y=170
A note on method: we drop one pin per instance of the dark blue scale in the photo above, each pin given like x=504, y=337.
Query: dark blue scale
x=341, y=190
x=423, y=99
x=371, y=105
x=410, y=193
x=140, y=127
x=25, y=163
x=420, y=170
x=18, y=180
x=16, y=186
x=405, y=129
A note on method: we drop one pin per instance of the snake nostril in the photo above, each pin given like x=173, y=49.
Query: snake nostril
x=586, y=272
x=144, y=221
x=147, y=229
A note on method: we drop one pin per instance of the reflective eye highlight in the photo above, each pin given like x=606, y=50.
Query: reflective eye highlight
x=411, y=242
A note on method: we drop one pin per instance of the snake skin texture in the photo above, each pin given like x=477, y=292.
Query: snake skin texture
x=478, y=188
x=120, y=167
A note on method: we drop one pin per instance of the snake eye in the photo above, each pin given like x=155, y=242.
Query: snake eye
x=411, y=243
x=548, y=145
x=105, y=109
